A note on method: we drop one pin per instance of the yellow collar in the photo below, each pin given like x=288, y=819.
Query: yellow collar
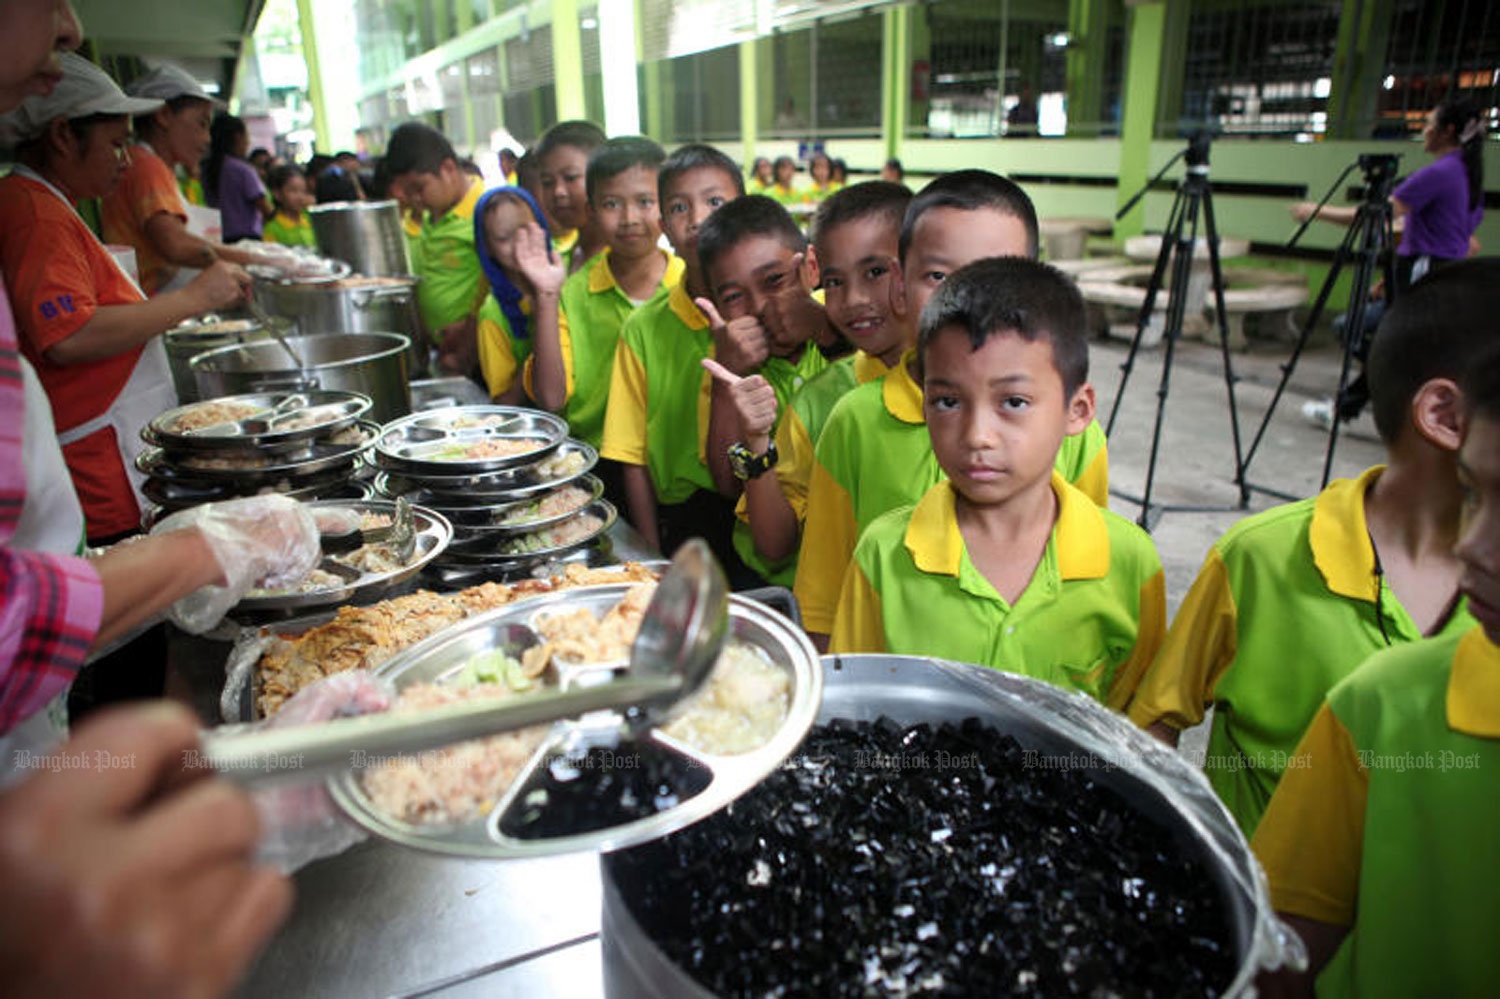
x=1080, y=537
x=602, y=279
x=1474, y=687
x=683, y=306
x=465, y=206
x=868, y=367
x=564, y=244
x=284, y=216
x=902, y=394
x=1340, y=539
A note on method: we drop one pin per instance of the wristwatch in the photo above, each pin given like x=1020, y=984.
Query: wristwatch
x=746, y=464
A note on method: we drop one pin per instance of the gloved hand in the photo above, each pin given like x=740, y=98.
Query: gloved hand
x=269, y=541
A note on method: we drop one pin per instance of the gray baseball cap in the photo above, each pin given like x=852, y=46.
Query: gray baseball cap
x=84, y=90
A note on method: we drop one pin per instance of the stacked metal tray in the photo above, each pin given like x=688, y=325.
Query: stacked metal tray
x=515, y=487
x=308, y=445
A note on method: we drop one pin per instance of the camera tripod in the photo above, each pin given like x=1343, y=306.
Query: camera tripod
x=1367, y=242
x=1179, y=238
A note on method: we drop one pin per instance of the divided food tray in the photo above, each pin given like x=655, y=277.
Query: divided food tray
x=572, y=460
x=434, y=442
x=266, y=418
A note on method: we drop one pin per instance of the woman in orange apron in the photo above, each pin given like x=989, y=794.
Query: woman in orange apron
x=84, y=324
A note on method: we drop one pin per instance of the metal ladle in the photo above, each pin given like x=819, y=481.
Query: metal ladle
x=681, y=635
x=264, y=318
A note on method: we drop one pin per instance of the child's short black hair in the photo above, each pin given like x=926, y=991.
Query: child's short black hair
x=1031, y=299
x=1481, y=386
x=578, y=133
x=752, y=215
x=858, y=201
x=1438, y=329
x=417, y=148
x=278, y=177
x=971, y=190
x=692, y=157
x=618, y=155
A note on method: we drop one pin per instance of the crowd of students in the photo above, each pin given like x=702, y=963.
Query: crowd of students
x=895, y=418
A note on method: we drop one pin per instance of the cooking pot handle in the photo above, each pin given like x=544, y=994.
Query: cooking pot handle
x=293, y=384
x=364, y=298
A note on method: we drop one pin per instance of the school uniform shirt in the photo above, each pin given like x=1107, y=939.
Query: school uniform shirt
x=1090, y=619
x=288, y=230
x=659, y=396
x=147, y=188
x=592, y=308
x=874, y=455
x=501, y=354
x=452, y=279
x=1287, y=604
x=1386, y=824
x=58, y=275
x=52, y=603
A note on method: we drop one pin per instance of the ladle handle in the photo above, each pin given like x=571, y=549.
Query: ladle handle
x=305, y=752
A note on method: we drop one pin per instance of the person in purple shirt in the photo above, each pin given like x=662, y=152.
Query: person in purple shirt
x=231, y=184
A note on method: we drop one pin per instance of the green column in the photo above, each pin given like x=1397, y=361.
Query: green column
x=567, y=60
x=749, y=98
x=1358, y=62
x=895, y=77
x=315, y=95
x=765, y=69
x=1088, y=34
x=1144, y=31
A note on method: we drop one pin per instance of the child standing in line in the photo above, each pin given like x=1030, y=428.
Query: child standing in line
x=1005, y=563
x=562, y=161
x=507, y=219
x=762, y=177
x=290, y=224
x=785, y=177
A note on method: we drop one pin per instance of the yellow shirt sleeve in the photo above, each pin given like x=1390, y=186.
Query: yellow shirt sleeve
x=1311, y=838
x=857, y=625
x=1095, y=478
x=497, y=359
x=1201, y=645
x=794, y=450
x=1151, y=629
x=564, y=344
x=625, y=416
x=828, y=539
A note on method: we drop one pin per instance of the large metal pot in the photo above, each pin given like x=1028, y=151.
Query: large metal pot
x=365, y=234
x=350, y=305
x=1162, y=784
x=371, y=363
x=187, y=340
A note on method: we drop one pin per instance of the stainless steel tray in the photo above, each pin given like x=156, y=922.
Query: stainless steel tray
x=180, y=495
x=572, y=460
x=271, y=424
x=433, y=534
x=410, y=444
x=349, y=491
x=313, y=458
x=442, y=656
x=484, y=522
x=489, y=549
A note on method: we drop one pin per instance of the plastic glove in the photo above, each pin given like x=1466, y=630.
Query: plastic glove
x=300, y=824
x=266, y=541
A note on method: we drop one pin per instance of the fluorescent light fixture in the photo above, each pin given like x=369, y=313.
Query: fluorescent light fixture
x=1390, y=82
x=589, y=23
x=1322, y=86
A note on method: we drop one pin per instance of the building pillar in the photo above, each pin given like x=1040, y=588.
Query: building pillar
x=1358, y=65
x=749, y=97
x=622, y=103
x=334, y=99
x=895, y=78
x=567, y=61
x=1144, y=34
x=1088, y=43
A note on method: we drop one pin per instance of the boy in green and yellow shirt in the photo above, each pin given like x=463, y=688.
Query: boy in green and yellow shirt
x=874, y=453
x=562, y=161
x=424, y=168
x=1379, y=844
x=1290, y=600
x=290, y=225
x=508, y=223
x=1005, y=563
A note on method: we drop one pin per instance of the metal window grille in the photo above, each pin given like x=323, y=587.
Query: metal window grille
x=705, y=96
x=484, y=94
x=1437, y=47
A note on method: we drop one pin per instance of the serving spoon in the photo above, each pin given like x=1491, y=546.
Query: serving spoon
x=681, y=635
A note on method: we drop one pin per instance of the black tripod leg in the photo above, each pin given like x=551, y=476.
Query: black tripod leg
x=1211, y=230
x=1174, y=224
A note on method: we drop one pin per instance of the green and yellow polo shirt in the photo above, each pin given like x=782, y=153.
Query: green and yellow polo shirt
x=1386, y=822
x=592, y=308
x=659, y=396
x=1287, y=604
x=452, y=279
x=289, y=231
x=874, y=455
x=1090, y=620
x=501, y=354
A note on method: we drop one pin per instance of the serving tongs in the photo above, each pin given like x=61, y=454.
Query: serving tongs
x=340, y=531
x=681, y=635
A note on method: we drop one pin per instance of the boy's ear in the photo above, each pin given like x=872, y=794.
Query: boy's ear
x=898, y=289
x=1081, y=409
x=1437, y=412
x=811, y=273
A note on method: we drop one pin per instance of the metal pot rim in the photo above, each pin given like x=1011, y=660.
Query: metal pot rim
x=399, y=344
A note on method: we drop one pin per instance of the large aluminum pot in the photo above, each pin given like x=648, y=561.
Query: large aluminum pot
x=350, y=305
x=1162, y=784
x=371, y=363
x=365, y=234
x=197, y=336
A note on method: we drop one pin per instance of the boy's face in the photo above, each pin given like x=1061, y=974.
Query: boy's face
x=294, y=193
x=759, y=276
x=857, y=262
x=1479, y=538
x=946, y=239
x=692, y=197
x=627, y=214
x=785, y=171
x=435, y=193
x=503, y=219
x=563, y=174
x=997, y=415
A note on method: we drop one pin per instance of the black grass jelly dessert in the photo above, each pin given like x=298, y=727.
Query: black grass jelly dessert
x=884, y=859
